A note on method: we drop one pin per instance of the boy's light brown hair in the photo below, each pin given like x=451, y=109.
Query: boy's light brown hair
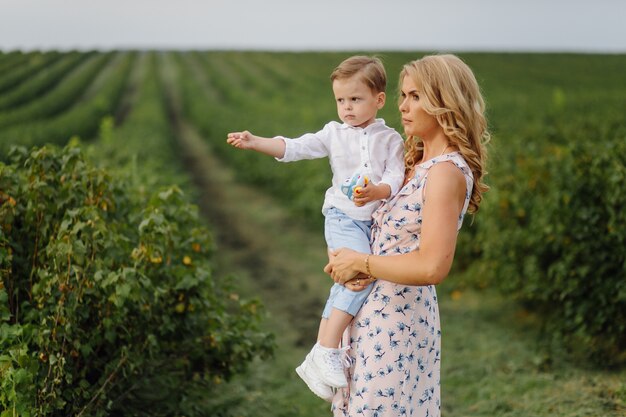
x=370, y=69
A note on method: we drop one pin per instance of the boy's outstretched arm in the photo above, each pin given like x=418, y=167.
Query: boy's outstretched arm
x=245, y=140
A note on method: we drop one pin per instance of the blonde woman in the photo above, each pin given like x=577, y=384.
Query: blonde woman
x=395, y=338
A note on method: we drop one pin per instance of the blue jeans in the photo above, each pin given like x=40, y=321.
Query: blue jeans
x=342, y=231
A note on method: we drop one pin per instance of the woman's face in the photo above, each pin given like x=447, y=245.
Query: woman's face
x=415, y=120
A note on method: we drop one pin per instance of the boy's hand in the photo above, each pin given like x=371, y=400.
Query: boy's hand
x=241, y=140
x=371, y=192
x=245, y=140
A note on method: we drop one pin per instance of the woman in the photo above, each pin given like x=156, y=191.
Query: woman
x=395, y=338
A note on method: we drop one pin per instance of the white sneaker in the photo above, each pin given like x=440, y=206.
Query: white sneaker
x=327, y=363
x=309, y=375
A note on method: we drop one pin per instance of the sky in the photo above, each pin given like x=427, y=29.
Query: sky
x=372, y=25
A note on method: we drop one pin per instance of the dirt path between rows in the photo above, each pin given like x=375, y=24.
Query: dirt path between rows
x=258, y=239
x=270, y=256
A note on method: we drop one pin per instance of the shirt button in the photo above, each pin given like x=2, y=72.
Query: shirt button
x=365, y=165
x=363, y=147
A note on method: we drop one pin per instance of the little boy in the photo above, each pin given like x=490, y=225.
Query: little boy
x=361, y=145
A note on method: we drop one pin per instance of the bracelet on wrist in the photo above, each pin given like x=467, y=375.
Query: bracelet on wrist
x=367, y=266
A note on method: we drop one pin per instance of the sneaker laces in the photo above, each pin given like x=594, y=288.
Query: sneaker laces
x=336, y=358
x=334, y=361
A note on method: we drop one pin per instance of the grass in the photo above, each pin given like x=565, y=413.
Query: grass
x=494, y=364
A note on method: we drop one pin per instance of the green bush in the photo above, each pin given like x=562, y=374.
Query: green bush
x=107, y=303
x=555, y=237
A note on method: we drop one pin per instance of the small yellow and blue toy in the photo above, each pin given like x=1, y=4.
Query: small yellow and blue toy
x=354, y=184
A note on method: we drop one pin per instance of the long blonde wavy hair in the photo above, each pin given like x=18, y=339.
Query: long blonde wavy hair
x=451, y=94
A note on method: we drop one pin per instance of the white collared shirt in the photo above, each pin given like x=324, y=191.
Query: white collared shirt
x=376, y=151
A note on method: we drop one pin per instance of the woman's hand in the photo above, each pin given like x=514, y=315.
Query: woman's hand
x=343, y=265
x=359, y=282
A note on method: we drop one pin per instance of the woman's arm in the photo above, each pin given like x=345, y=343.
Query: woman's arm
x=443, y=202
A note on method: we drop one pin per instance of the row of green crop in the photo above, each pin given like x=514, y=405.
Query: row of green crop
x=553, y=235
x=36, y=63
x=58, y=98
x=39, y=83
x=220, y=335
x=558, y=135
x=108, y=305
x=13, y=60
x=5, y=57
x=83, y=106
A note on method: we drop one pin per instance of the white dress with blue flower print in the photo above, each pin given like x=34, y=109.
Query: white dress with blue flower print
x=395, y=338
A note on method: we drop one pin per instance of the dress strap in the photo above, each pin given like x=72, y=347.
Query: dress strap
x=457, y=159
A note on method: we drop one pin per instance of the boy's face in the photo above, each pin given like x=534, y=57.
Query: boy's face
x=357, y=104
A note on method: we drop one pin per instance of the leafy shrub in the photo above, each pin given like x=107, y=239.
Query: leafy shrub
x=555, y=237
x=107, y=303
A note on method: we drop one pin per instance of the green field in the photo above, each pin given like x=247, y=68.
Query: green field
x=164, y=115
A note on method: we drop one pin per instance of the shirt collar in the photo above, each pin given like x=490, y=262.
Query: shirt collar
x=377, y=122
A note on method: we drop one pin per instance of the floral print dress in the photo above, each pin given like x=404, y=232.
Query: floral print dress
x=395, y=339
